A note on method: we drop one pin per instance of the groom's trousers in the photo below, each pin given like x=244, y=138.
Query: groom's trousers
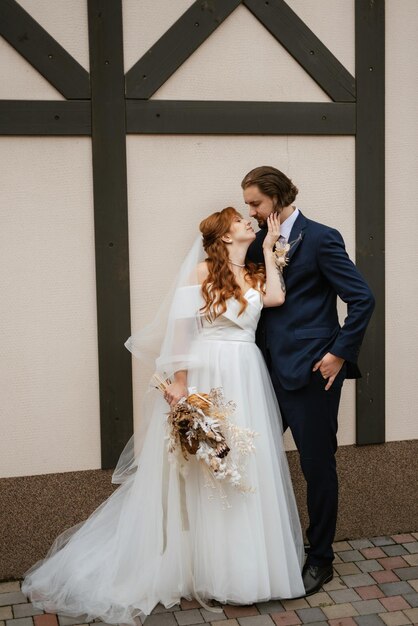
x=311, y=413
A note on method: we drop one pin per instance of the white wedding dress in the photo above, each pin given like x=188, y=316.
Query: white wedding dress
x=161, y=536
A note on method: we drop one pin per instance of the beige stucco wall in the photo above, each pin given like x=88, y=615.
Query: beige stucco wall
x=49, y=374
x=401, y=220
x=49, y=380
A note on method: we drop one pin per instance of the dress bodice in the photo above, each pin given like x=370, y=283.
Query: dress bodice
x=230, y=326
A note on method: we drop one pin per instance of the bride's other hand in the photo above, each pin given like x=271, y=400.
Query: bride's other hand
x=273, y=232
x=175, y=392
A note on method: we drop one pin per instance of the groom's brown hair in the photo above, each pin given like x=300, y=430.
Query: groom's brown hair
x=272, y=182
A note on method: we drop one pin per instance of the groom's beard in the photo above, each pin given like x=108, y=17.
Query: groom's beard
x=262, y=224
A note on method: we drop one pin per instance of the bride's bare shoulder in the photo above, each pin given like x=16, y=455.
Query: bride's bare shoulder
x=202, y=271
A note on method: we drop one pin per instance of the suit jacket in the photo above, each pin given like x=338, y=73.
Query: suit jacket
x=295, y=335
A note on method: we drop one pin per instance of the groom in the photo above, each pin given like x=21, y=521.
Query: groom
x=307, y=353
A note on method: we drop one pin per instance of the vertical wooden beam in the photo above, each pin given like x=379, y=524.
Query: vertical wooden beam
x=111, y=225
x=370, y=210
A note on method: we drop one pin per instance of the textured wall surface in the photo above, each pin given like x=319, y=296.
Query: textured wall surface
x=49, y=379
x=49, y=387
x=401, y=220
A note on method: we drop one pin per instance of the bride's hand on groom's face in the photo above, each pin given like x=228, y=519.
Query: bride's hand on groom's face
x=273, y=232
x=329, y=366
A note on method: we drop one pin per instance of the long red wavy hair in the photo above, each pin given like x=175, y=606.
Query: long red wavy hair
x=220, y=283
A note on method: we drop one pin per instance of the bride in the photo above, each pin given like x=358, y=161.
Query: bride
x=168, y=531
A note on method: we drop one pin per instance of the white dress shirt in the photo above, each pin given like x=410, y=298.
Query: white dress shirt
x=287, y=225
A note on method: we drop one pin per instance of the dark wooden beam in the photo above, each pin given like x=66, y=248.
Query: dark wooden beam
x=370, y=211
x=304, y=46
x=45, y=54
x=111, y=226
x=176, y=45
x=245, y=118
x=45, y=117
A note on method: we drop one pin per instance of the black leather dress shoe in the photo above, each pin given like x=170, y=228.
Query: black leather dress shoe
x=314, y=576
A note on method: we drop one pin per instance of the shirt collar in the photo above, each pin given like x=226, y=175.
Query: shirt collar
x=287, y=225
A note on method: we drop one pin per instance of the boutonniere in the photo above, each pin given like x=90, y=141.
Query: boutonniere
x=281, y=252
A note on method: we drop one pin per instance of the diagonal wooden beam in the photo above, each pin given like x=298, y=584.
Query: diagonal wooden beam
x=235, y=118
x=41, y=50
x=45, y=117
x=305, y=47
x=176, y=45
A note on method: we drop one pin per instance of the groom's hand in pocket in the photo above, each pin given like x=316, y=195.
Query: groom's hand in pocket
x=329, y=366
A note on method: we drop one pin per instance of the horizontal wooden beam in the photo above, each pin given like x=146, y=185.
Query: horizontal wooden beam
x=41, y=50
x=305, y=47
x=176, y=45
x=49, y=117
x=45, y=117
x=240, y=118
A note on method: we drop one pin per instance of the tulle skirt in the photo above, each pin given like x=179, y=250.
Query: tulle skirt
x=161, y=536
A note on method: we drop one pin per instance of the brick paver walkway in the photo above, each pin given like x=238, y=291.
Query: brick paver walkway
x=375, y=584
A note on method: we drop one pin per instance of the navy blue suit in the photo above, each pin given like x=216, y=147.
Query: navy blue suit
x=293, y=337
